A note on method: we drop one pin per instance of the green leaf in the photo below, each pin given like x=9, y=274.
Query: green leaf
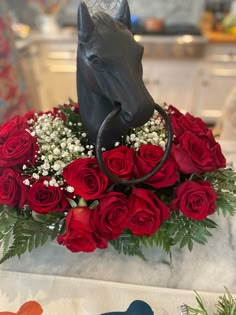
x=6, y=242
x=72, y=203
x=128, y=244
x=226, y=205
x=185, y=231
x=28, y=232
x=223, y=183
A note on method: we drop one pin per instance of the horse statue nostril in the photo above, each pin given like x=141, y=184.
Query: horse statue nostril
x=128, y=117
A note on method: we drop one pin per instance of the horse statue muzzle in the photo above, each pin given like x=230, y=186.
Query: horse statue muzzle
x=111, y=93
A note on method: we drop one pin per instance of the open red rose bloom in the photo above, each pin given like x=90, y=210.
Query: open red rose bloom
x=51, y=185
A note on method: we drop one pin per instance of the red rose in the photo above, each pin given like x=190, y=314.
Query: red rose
x=86, y=178
x=147, y=212
x=175, y=115
x=111, y=216
x=12, y=189
x=13, y=125
x=187, y=122
x=44, y=199
x=193, y=124
x=192, y=154
x=18, y=149
x=147, y=157
x=218, y=157
x=195, y=199
x=79, y=235
x=120, y=161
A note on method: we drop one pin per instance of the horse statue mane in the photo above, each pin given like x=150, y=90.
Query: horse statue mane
x=109, y=75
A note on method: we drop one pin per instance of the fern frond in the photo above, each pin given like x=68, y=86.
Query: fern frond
x=128, y=244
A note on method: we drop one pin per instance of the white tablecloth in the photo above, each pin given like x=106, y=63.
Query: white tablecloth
x=73, y=296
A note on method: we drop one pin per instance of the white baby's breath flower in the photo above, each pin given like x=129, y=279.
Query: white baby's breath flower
x=26, y=182
x=50, y=157
x=52, y=182
x=56, y=151
x=36, y=176
x=70, y=189
x=46, y=183
x=56, y=167
x=46, y=166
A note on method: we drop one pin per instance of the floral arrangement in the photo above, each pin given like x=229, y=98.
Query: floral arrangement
x=51, y=186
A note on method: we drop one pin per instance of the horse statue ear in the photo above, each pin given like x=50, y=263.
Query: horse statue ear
x=123, y=14
x=85, y=23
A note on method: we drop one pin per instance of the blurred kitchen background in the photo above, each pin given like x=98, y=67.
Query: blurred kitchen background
x=189, y=59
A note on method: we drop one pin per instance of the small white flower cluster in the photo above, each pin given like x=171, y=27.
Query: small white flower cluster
x=153, y=132
x=58, y=146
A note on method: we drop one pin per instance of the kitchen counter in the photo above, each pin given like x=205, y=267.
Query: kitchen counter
x=156, y=46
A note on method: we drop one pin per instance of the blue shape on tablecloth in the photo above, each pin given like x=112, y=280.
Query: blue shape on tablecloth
x=136, y=308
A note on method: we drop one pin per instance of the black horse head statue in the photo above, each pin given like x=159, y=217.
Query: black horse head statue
x=109, y=75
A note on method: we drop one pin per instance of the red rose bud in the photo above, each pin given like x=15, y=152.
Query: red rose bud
x=147, y=212
x=195, y=199
x=111, y=216
x=147, y=157
x=86, y=178
x=79, y=234
x=12, y=189
x=120, y=161
x=44, y=199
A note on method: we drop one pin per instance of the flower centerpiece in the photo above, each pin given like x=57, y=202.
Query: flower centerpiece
x=51, y=185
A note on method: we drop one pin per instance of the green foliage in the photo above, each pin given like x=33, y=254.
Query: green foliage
x=226, y=305
x=160, y=239
x=185, y=231
x=201, y=310
x=128, y=244
x=224, y=183
x=20, y=231
x=178, y=229
x=72, y=118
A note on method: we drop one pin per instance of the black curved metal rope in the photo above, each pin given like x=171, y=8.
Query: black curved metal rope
x=98, y=149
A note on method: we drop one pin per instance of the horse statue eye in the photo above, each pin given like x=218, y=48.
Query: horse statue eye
x=95, y=60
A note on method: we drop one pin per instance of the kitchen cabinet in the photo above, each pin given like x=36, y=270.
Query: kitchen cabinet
x=216, y=78
x=171, y=81
x=58, y=70
x=29, y=57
